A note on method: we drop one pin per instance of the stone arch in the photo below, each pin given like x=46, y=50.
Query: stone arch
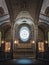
x=1, y=11
x=24, y=17
x=47, y=11
x=46, y=23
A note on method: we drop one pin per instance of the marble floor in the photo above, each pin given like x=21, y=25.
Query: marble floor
x=24, y=61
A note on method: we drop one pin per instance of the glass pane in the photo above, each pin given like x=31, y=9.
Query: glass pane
x=7, y=46
x=41, y=46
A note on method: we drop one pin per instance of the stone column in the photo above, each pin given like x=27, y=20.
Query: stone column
x=36, y=40
x=46, y=41
x=12, y=40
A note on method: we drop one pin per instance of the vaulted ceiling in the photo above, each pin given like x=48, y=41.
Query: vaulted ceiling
x=12, y=8
x=16, y=6
x=3, y=4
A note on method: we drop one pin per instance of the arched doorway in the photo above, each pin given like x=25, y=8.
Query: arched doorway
x=24, y=37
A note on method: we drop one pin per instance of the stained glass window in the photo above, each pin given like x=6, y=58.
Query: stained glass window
x=24, y=33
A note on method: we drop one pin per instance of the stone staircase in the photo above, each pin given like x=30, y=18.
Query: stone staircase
x=24, y=52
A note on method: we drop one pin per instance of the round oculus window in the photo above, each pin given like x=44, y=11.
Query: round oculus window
x=24, y=33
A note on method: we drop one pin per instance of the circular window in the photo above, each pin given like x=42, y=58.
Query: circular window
x=24, y=33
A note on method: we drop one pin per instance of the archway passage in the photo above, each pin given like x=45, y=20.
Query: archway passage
x=24, y=37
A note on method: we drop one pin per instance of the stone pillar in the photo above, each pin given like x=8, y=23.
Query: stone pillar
x=36, y=40
x=46, y=41
x=12, y=40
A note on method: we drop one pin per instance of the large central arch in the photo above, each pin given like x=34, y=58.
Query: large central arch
x=24, y=18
